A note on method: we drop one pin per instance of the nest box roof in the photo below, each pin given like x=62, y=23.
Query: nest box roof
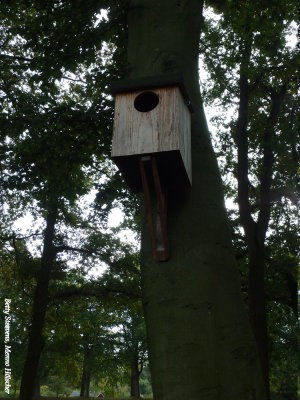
x=152, y=82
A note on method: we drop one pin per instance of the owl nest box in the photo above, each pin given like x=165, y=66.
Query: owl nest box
x=153, y=118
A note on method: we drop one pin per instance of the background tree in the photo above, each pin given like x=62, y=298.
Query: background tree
x=133, y=345
x=257, y=78
x=42, y=118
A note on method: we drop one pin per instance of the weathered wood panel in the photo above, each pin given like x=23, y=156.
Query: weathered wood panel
x=165, y=128
x=185, y=136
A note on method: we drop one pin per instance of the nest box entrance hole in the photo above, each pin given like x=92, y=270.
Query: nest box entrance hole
x=158, y=229
x=146, y=101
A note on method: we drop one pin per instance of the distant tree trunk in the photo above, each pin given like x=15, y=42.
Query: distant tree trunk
x=40, y=302
x=135, y=377
x=200, y=341
x=255, y=232
x=86, y=373
x=37, y=387
x=85, y=384
x=256, y=286
x=257, y=307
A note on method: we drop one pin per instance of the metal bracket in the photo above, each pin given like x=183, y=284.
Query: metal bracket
x=158, y=233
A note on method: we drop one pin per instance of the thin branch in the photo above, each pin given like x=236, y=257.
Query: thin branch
x=102, y=293
x=19, y=58
x=276, y=195
x=13, y=237
x=242, y=145
x=73, y=80
x=62, y=248
x=105, y=257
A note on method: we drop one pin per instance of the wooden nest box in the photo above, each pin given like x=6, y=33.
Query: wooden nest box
x=152, y=145
x=153, y=117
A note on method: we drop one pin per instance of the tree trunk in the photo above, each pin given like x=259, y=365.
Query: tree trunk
x=257, y=307
x=256, y=289
x=255, y=232
x=135, y=378
x=36, y=342
x=200, y=341
x=86, y=373
x=37, y=387
x=257, y=295
x=85, y=384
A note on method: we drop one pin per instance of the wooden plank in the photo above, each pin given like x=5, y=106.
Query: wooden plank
x=162, y=245
x=148, y=203
x=141, y=133
x=159, y=239
x=185, y=136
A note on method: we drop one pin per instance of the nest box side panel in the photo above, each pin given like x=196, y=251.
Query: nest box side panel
x=185, y=136
x=168, y=119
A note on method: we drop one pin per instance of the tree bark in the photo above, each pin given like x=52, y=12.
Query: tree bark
x=86, y=373
x=200, y=341
x=37, y=387
x=135, y=378
x=36, y=342
x=257, y=306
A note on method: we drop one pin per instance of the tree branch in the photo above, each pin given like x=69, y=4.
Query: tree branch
x=276, y=194
x=102, y=293
x=62, y=248
x=15, y=238
x=241, y=136
x=19, y=58
x=73, y=80
x=268, y=162
x=295, y=153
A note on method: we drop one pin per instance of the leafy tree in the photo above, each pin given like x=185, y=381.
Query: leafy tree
x=254, y=72
x=133, y=345
x=49, y=138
